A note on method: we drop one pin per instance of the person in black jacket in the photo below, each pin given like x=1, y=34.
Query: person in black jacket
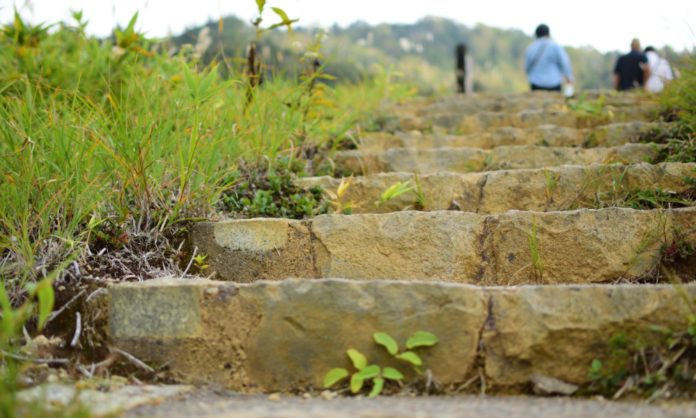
x=632, y=69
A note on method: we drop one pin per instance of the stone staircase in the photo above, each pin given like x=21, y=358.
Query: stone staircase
x=519, y=260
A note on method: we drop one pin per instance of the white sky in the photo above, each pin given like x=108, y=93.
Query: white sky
x=606, y=25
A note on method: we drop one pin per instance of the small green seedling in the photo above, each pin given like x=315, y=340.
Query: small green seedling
x=199, y=262
x=421, y=202
x=336, y=198
x=393, y=191
x=534, y=250
x=376, y=373
x=551, y=181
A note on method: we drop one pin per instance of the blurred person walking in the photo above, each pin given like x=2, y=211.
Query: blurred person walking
x=546, y=63
x=660, y=71
x=631, y=70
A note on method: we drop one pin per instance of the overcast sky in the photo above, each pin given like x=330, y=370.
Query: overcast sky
x=606, y=25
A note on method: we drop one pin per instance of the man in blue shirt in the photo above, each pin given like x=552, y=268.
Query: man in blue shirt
x=546, y=63
x=632, y=69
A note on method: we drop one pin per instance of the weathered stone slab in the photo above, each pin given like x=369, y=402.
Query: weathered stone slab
x=287, y=335
x=439, y=189
x=481, y=102
x=530, y=156
x=557, y=331
x=256, y=249
x=403, y=245
x=547, y=135
x=555, y=188
x=449, y=112
x=281, y=336
x=583, y=246
x=580, y=246
x=486, y=121
x=466, y=160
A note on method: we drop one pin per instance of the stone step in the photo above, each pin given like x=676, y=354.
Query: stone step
x=541, y=189
x=466, y=160
x=482, y=102
x=487, y=121
x=286, y=335
x=546, y=135
x=579, y=246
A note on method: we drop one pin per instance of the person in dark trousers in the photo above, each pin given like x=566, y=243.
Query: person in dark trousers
x=632, y=69
x=546, y=63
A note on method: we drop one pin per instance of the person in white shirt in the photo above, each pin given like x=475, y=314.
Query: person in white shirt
x=660, y=71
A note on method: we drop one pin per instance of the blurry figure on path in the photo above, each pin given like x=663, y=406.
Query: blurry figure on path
x=546, y=63
x=660, y=71
x=631, y=70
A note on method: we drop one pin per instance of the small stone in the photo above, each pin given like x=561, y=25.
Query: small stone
x=274, y=397
x=212, y=291
x=328, y=395
x=307, y=396
x=544, y=385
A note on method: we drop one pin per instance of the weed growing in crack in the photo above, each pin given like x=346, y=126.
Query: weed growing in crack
x=550, y=184
x=421, y=202
x=593, y=113
x=537, y=267
x=396, y=189
x=336, y=198
x=365, y=371
x=652, y=362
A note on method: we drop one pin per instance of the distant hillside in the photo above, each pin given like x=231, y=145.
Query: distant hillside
x=422, y=52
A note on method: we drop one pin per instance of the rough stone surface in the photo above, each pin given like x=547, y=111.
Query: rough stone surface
x=256, y=249
x=111, y=401
x=465, y=160
x=528, y=156
x=557, y=331
x=502, y=190
x=544, y=385
x=584, y=246
x=279, y=336
x=275, y=336
x=548, y=135
x=580, y=246
x=489, y=120
x=403, y=245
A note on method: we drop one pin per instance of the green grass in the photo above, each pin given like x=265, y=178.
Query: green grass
x=99, y=138
x=95, y=133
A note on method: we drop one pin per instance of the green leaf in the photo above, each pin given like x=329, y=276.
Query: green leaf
x=356, y=383
x=395, y=190
x=378, y=384
x=392, y=373
x=277, y=25
x=421, y=339
x=596, y=365
x=334, y=376
x=358, y=359
x=131, y=24
x=46, y=298
x=260, y=4
x=369, y=372
x=286, y=21
x=410, y=357
x=383, y=339
x=8, y=315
